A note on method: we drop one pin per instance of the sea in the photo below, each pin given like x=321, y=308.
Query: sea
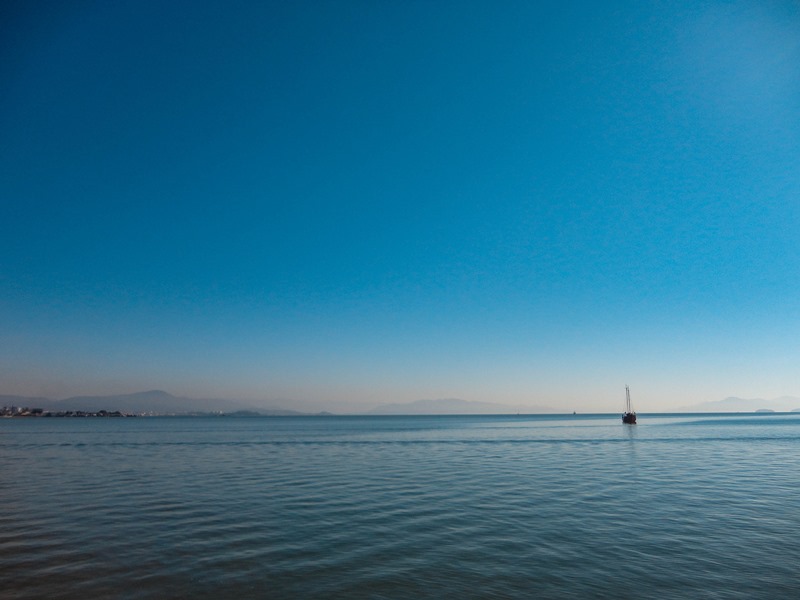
x=557, y=506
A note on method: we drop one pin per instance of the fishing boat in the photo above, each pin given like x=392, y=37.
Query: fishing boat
x=628, y=416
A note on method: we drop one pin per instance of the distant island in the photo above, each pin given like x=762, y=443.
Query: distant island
x=16, y=411
x=735, y=404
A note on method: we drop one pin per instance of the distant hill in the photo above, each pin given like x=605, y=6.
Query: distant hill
x=734, y=404
x=151, y=402
x=455, y=406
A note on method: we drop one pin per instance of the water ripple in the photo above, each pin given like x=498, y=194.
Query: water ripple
x=394, y=508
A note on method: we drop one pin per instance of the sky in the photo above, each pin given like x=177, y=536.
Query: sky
x=333, y=205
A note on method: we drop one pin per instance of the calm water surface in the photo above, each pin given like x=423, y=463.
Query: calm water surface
x=690, y=506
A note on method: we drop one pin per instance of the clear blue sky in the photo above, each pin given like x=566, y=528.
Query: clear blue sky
x=330, y=205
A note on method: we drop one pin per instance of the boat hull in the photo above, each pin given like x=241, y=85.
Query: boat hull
x=629, y=418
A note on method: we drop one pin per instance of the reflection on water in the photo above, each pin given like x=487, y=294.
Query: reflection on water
x=393, y=507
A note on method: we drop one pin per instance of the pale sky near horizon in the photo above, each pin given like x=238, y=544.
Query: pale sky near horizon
x=332, y=205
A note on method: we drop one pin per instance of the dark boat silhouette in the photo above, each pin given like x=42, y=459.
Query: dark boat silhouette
x=628, y=416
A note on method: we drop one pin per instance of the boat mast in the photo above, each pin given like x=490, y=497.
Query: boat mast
x=627, y=399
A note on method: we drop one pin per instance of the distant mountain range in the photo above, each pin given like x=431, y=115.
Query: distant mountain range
x=152, y=402
x=158, y=402
x=454, y=406
x=734, y=404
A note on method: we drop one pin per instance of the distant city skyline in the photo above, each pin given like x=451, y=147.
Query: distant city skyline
x=330, y=206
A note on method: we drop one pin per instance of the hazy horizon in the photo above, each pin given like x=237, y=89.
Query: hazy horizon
x=335, y=205
x=161, y=401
